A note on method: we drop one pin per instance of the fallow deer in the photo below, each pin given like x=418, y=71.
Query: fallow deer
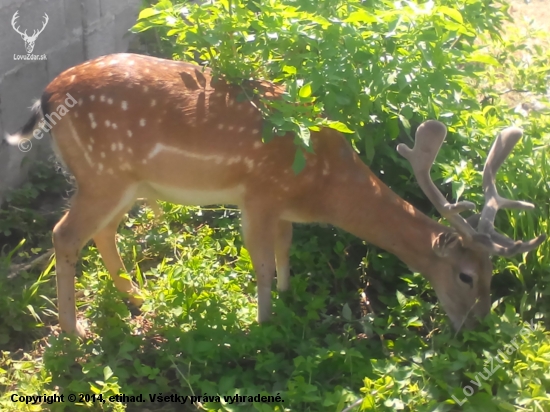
x=146, y=127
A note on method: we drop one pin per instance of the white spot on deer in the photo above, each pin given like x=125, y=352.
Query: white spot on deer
x=124, y=105
x=249, y=163
x=326, y=168
x=241, y=129
x=219, y=94
x=285, y=188
x=92, y=120
x=102, y=98
x=153, y=103
x=90, y=148
x=92, y=97
x=230, y=128
x=114, y=126
x=230, y=103
x=252, y=109
x=145, y=89
x=142, y=122
x=102, y=154
x=107, y=123
x=80, y=101
x=130, y=150
x=255, y=131
x=129, y=133
x=109, y=101
x=113, y=146
x=92, y=141
x=257, y=145
x=110, y=171
x=220, y=126
x=76, y=115
x=120, y=146
x=100, y=167
x=144, y=161
x=125, y=166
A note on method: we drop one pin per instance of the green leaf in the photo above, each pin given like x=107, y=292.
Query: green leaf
x=304, y=134
x=305, y=90
x=369, y=149
x=299, y=161
x=146, y=13
x=401, y=298
x=346, y=312
x=452, y=13
x=289, y=69
x=341, y=127
x=360, y=16
x=484, y=58
x=107, y=373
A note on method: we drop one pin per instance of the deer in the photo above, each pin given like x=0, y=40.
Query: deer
x=29, y=40
x=146, y=127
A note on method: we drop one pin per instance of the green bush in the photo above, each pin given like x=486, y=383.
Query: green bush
x=381, y=68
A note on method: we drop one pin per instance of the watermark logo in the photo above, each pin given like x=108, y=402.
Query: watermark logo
x=29, y=40
x=492, y=367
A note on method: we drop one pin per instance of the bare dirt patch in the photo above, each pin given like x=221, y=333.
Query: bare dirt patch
x=536, y=10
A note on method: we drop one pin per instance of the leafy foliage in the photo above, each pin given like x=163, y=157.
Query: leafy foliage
x=356, y=327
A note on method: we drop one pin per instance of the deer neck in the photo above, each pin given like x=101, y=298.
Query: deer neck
x=377, y=215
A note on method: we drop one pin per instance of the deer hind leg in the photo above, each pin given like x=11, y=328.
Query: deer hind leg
x=89, y=212
x=105, y=241
x=283, y=241
x=259, y=232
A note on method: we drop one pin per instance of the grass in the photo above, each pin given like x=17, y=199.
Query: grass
x=356, y=331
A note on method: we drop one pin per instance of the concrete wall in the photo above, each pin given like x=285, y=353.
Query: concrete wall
x=77, y=30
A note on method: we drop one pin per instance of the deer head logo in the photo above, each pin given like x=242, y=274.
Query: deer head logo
x=29, y=40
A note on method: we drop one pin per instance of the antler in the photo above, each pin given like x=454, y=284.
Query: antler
x=429, y=138
x=501, y=149
x=37, y=32
x=14, y=22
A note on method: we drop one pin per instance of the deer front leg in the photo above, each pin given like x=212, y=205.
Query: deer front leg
x=259, y=231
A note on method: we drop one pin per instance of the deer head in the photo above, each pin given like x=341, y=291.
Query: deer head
x=29, y=40
x=137, y=126
x=464, y=287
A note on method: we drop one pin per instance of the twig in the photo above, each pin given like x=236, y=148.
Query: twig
x=15, y=269
x=353, y=405
x=513, y=91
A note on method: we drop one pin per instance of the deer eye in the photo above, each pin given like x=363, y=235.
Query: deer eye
x=466, y=279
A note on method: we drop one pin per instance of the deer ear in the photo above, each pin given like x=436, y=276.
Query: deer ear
x=445, y=243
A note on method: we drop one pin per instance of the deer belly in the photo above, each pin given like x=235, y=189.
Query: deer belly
x=197, y=196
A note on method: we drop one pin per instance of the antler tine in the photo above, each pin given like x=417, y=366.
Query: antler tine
x=501, y=149
x=428, y=140
x=503, y=245
x=14, y=22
